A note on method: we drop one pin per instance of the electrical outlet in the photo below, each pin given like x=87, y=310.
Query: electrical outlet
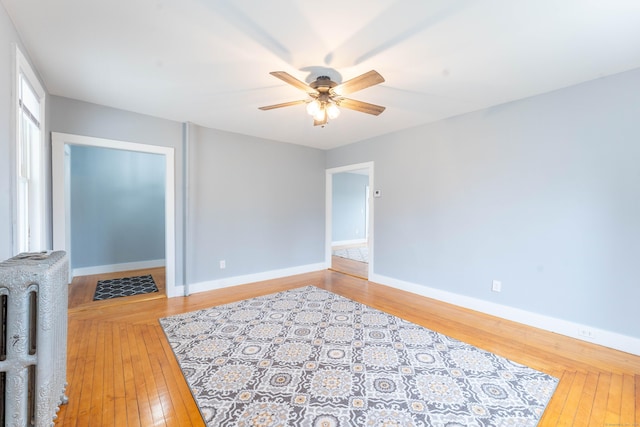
x=496, y=286
x=586, y=333
x=223, y=264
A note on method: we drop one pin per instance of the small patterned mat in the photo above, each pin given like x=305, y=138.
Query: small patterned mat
x=308, y=357
x=124, y=287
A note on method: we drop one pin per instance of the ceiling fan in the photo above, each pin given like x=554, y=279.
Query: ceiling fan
x=325, y=96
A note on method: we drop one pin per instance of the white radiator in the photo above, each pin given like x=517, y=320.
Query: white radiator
x=33, y=340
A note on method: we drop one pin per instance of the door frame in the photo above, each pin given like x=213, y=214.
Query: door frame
x=60, y=193
x=329, y=210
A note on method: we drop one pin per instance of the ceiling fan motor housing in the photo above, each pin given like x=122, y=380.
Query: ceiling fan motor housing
x=323, y=84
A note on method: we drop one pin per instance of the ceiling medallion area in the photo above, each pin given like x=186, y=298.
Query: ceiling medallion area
x=326, y=97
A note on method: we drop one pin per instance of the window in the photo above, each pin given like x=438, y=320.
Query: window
x=30, y=188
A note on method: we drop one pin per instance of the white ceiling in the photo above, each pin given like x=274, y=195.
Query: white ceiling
x=208, y=61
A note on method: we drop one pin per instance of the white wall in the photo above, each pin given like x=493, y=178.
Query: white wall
x=349, y=204
x=542, y=194
x=257, y=204
x=82, y=118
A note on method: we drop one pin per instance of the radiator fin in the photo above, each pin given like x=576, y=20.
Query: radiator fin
x=3, y=328
x=3, y=398
x=33, y=338
x=33, y=322
x=31, y=395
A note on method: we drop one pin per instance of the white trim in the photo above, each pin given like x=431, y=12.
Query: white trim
x=115, y=268
x=186, y=201
x=60, y=229
x=329, y=211
x=250, y=278
x=22, y=66
x=349, y=242
x=571, y=329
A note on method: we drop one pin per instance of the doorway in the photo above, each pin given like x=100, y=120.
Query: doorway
x=349, y=230
x=61, y=144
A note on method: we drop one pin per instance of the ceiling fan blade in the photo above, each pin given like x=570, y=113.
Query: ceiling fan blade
x=288, y=78
x=363, y=81
x=363, y=107
x=284, y=104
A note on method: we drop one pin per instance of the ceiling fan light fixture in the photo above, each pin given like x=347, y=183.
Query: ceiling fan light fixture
x=320, y=114
x=332, y=110
x=313, y=107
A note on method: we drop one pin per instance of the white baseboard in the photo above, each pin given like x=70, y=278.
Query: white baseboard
x=248, y=278
x=113, y=268
x=349, y=242
x=574, y=330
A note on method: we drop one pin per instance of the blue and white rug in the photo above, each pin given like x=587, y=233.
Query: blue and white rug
x=308, y=357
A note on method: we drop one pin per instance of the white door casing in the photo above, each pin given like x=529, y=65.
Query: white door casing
x=329, y=210
x=60, y=196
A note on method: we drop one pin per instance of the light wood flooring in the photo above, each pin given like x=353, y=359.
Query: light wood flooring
x=348, y=266
x=122, y=372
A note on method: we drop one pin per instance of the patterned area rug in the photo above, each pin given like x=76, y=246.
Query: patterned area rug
x=360, y=253
x=308, y=357
x=124, y=287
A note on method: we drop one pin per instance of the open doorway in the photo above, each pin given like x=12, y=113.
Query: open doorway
x=62, y=145
x=349, y=238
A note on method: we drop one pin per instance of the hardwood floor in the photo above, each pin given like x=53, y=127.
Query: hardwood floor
x=350, y=267
x=122, y=372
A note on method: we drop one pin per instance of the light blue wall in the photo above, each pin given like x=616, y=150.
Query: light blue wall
x=255, y=203
x=117, y=206
x=349, y=202
x=82, y=118
x=542, y=194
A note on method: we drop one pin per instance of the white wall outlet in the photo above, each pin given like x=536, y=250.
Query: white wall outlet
x=586, y=333
x=496, y=286
x=223, y=264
